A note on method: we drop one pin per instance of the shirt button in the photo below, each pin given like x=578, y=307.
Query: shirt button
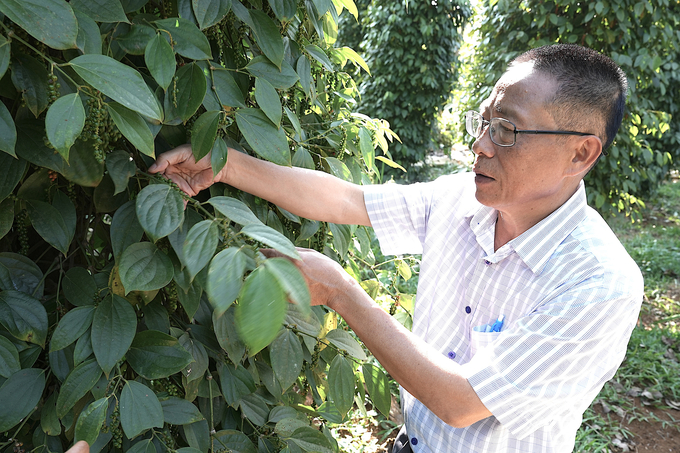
x=414, y=441
x=452, y=355
x=487, y=262
x=468, y=310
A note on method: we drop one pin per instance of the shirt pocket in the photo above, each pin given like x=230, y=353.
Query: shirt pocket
x=480, y=340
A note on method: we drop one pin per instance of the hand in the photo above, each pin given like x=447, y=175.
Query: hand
x=79, y=447
x=180, y=166
x=327, y=280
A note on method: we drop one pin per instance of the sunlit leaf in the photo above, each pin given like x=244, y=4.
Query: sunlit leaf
x=378, y=387
x=341, y=383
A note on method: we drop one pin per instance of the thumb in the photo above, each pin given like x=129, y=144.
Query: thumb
x=173, y=157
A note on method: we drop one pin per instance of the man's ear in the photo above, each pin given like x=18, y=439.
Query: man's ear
x=586, y=151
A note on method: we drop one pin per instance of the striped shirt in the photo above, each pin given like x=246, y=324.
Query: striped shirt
x=569, y=292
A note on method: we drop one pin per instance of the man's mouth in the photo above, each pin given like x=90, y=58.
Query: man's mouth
x=481, y=177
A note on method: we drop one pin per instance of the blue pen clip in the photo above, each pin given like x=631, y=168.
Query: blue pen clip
x=498, y=325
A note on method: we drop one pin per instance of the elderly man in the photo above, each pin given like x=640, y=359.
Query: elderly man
x=526, y=299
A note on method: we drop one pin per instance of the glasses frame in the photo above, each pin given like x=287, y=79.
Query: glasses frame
x=471, y=114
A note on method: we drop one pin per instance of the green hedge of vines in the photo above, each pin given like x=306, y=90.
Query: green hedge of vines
x=127, y=320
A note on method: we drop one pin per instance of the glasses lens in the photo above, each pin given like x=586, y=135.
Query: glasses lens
x=473, y=123
x=502, y=132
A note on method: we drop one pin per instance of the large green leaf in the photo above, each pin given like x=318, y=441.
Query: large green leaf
x=218, y=155
x=267, y=35
x=5, y=52
x=210, y=12
x=319, y=55
x=200, y=245
x=223, y=90
x=282, y=79
x=8, y=131
x=77, y=384
x=83, y=167
x=268, y=100
x=23, y=316
x=74, y=324
x=133, y=127
x=235, y=210
x=160, y=59
x=179, y=411
x=204, y=133
x=6, y=216
x=89, y=38
x=64, y=122
x=283, y=9
x=261, y=310
x=102, y=10
x=227, y=335
x=342, y=237
x=125, y=229
x=191, y=88
x=55, y=222
x=144, y=267
x=136, y=39
x=118, y=81
x=79, y=287
x=232, y=440
x=341, y=383
x=292, y=282
x=286, y=357
x=113, y=329
x=49, y=422
x=9, y=358
x=225, y=276
x=20, y=273
x=199, y=365
x=272, y=238
x=310, y=439
x=48, y=21
x=160, y=210
x=342, y=340
x=188, y=40
x=139, y=409
x=155, y=355
x=12, y=171
x=90, y=421
x=255, y=409
x=30, y=78
x=266, y=139
x=378, y=387
x=236, y=383
x=304, y=71
x=121, y=168
x=19, y=395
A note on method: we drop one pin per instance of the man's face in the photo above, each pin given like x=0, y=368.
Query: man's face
x=524, y=179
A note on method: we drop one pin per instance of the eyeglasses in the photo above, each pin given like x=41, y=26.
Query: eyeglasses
x=502, y=131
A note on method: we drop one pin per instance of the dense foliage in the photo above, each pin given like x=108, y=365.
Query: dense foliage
x=412, y=50
x=132, y=316
x=643, y=37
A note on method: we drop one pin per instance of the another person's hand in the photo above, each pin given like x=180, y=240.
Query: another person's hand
x=79, y=447
x=180, y=166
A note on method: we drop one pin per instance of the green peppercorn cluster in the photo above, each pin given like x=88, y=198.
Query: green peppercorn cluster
x=115, y=428
x=171, y=297
x=53, y=88
x=20, y=225
x=100, y=128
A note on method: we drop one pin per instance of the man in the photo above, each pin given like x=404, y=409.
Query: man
x=526, y=299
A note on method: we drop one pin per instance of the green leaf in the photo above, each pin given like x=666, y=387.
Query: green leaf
x=342, y=237
x=133, y=127
x=255, y=409
x=267, y=36
x=8, y=131
x=310, y=439
x=223, y=88
x=210, y=12
x=177, y=411
x=261, y=310
x=347, y=53
x=227, y=335
x=378, y=387
x=319, y=55
x=30, y=78
x=89, y=39
x=366, y=146
x=285, y=354
x=143, y=446
x=23, y=316
x=56, y=226
x=346, y=342
x=20, y=273
x=6, y=216
x=64, y=122
x=9, y=358
x=268, y=100
x=5, y=52
x=12, y=172
x=341, y=384
x=121, y=168
x=125, y=229
x=218, y=155
x=143, y=267
x=188, y=40
x=338, y=168
x=48, y=416
x=285, y=427
x=136, y=39
x=90, y=421
x=236, y=383
x=235, y=210
x=292, y=282
x=74, y=324
x=232, y=440
x=282, y=78
x=156, y=355
x=272, y=238
x=79, y=287
x=83, y=168
x=48, y=21
x=101, y=10
x=267, y=140
x=191, y=89
x=77, y=384
x=200, y=245
x=199, y=365
x=19, y=395
x=119, y=82
x=204, y=133
x=139, y=409
x=283, y=9
x=113, y=329
x=160, y=59
x=160, y=210
x=304, y=71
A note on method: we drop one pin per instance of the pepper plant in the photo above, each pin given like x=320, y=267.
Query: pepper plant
x=137, y=318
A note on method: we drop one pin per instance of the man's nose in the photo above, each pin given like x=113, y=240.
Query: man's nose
x=483, y=144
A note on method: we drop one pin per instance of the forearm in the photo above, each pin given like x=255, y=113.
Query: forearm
x=433, y=379
x=307, y=193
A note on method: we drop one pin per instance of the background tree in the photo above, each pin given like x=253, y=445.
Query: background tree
x=126, y=319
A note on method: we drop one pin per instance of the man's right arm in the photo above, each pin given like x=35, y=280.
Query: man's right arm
x=307, y=193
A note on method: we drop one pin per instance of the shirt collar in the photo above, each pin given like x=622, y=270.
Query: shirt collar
x=537, y=244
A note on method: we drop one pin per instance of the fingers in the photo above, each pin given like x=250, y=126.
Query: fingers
x=79, y=447
x=172, y=157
